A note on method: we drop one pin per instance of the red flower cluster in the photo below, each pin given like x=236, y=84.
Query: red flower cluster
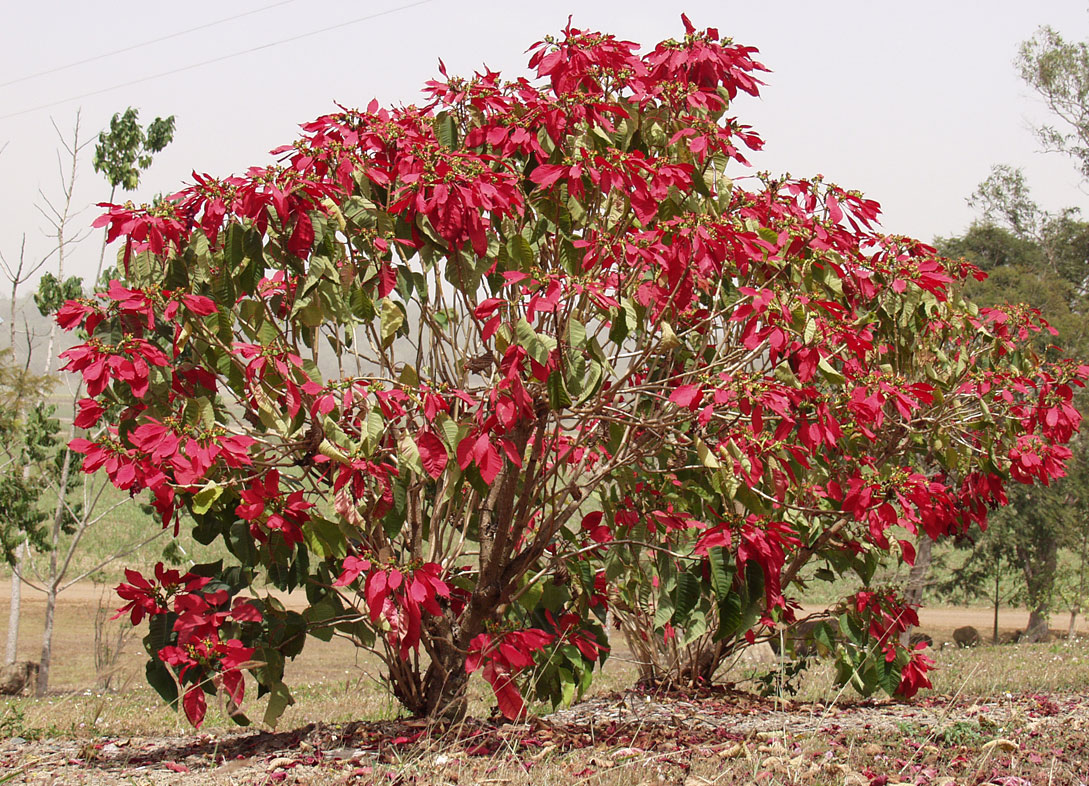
x=201, y=657
x=398, y=597
x=129, y=361
x=264, y=503
x=145, y=598
x=888, y=618
x=503, y=655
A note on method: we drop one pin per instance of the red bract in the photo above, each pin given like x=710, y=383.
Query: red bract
x=914, y=674
x=398, y=598
x=202, y=656
x=80, y=313
x=147, y=598
x=122, y=466
x=1034, y=458
x=130, y=362
x=90, y=411
x=154, y=229
x=568, y=630
x=503, y=656
x=207, y=662
x=264, y=503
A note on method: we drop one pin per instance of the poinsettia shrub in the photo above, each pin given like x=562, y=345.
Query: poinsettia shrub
x=469, y=375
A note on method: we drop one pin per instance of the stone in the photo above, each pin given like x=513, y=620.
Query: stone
x=966, y=636
x=15, y=678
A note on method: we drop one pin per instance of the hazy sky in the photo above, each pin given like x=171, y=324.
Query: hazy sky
x=909, y=102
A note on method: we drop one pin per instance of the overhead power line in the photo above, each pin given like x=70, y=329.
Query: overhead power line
x=219, y=59
x=141, y=45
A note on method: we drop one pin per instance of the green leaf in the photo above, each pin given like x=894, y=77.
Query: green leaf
x=810, y=331
x=234, y=246
x=447, y=131
x=162, y=680
x=324, y=537
x=707, y=458
x=888, y=674
x=824, y=574
x=557, y=393
x=669, y=338
x=391, y=318
x=694, y=627
x=524, y=334
x=204, y=498
x=664, y=612
x=822, y=635
x=376, y=427
x=279, y=700
x=395, y=519
x=618, y=330
x=320, y=612
x=409, y=377
x=359, y=212
x=768, y=234
x=574, y=375
x=687, y=596
x=830, y=372
x=567, y=687
x=521, y=252
x=731, y=618
x=410, y=454
x=721, y=580
x=592, y=382
x=576, y=334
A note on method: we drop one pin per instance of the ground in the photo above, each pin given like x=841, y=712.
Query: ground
x=718, y=736
x=1011, y=716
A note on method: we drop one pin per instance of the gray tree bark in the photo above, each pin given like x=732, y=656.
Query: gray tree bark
x=917, y=579
x=11, y=653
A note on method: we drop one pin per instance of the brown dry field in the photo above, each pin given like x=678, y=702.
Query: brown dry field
x=73, y=643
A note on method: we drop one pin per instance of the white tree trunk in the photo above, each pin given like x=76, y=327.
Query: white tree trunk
x=16, y=598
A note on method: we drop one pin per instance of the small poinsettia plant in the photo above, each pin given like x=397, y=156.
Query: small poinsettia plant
x=472, y=373
x=192, y=650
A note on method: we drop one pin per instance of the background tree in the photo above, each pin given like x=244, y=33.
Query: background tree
x=1032, y=256
x=1058, y=70
x=26, y=436
x=1043, y=258
x=59, y=214
x=37, y=452
x=988, y=570
x=125, y=151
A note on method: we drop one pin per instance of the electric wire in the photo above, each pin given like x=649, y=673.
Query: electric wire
x=141, y=45
x=219, y=59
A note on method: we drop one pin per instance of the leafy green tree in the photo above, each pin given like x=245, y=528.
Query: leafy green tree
x=1042, y=259
x=988, y=569
x=26, y=439
x=34, y=444
x=125, y=151
x=27, y=436
x=1058, y=70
